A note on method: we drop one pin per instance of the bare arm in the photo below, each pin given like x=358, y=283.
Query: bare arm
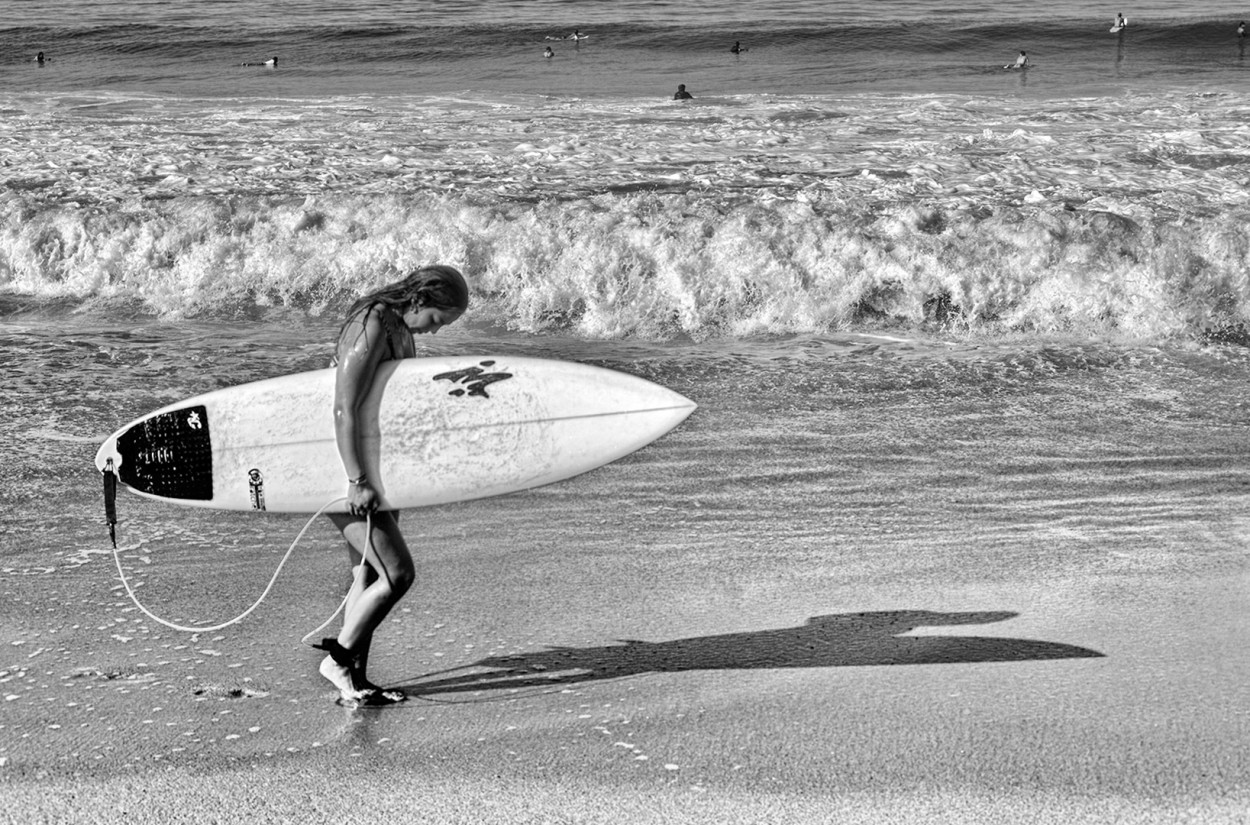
x=360, y=351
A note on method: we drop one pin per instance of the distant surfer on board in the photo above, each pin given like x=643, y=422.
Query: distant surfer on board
x=1022, y=62
x=273, y=61
x=379, y=328
x=1120, y=24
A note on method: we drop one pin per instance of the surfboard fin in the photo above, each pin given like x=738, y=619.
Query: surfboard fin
x=110, y=500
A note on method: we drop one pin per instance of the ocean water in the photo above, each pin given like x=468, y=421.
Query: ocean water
x=874, y=167
x=944, y=321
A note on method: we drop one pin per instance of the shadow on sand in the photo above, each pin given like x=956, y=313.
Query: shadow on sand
x=846, y=640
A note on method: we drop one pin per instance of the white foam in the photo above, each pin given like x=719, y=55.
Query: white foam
x=631, y=219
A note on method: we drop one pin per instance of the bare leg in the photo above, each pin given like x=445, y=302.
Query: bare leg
x=388, y=573
x=362, y=576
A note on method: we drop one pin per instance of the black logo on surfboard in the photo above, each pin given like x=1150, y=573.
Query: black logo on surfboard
x=256, y=489
x=473, y=380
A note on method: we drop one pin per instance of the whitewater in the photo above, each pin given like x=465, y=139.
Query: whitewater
x=643, y=218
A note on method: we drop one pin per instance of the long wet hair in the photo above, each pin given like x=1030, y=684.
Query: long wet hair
x=434, y=286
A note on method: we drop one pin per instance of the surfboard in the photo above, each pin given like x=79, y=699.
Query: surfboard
x=435, y=430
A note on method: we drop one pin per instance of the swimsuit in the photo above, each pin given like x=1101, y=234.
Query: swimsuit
x=399, y=341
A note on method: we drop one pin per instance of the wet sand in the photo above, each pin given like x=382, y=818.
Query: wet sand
x=920, y=610
x=785, y=695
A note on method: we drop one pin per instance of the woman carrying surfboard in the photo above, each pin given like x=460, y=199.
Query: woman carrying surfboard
x=379, y=327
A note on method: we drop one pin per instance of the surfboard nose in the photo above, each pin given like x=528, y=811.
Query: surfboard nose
x=673, y=407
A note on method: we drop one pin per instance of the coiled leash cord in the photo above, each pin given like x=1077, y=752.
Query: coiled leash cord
x=110, y=493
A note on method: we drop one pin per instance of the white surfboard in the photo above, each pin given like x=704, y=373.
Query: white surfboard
x=436, y=430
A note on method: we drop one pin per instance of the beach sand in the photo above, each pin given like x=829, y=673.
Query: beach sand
x=785, y=611
x=737, y=727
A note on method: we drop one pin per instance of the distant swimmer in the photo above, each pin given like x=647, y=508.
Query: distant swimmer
x=273, y=61
x=548, y=53
x=737, y=48
x=40, y=59
x=1022, y=62
x=681, y=93
x=1241, y=29
x=1120, y=24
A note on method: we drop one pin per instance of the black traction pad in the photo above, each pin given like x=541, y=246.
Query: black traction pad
x=169, y=455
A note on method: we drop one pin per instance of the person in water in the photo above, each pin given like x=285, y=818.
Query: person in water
x=379, y=327
x=40, y=59
x=737, y=48
x=273, y=61
x=1022, y=62
x=681, y=93
x=549, y=52
x=1241, y=30
x=1120, y=22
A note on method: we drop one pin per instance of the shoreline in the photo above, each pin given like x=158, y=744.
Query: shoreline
x=882, y=585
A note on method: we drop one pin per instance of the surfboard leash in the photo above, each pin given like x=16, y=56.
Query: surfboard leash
x=356, y=579
x=110, y=499
x=110, y=510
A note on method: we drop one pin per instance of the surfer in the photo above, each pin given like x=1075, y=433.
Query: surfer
x=737, y=48
x=1022, y=62
x=549, y=53
x=1119, y=24
x=681, y=93
x=379, y=327
x=273, y=61
x=40, y=59
x=1241, y=30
